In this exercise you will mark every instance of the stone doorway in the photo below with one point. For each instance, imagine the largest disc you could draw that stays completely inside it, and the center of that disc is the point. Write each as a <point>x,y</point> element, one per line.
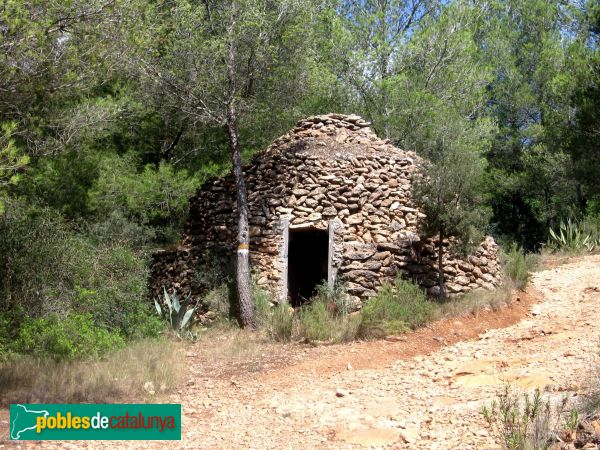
<point>308,254</point>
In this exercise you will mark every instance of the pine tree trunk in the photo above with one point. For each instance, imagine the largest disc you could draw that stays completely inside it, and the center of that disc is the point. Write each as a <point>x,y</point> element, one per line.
<point>245,305</point>
<point>442,284</point>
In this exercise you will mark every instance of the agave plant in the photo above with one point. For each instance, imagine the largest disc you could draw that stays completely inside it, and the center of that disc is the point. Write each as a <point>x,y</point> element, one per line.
<point>572,235</point>
<point>178,314</point>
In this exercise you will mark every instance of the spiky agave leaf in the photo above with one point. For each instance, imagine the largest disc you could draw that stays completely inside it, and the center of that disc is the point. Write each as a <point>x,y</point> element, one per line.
<point>554,239</point>
<point>176,304</point>
<point>563,236</point>
<point>186,318</point>
<point>168,301</point>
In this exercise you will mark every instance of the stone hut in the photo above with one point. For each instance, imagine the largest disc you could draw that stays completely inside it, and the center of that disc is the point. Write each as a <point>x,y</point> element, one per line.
<point>329,201</point>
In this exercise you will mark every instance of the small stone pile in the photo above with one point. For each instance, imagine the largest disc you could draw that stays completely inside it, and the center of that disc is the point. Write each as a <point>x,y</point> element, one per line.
<point>331,170</point>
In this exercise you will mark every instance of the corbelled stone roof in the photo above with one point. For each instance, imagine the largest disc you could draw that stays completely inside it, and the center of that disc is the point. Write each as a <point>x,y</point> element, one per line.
<point>335,136</point>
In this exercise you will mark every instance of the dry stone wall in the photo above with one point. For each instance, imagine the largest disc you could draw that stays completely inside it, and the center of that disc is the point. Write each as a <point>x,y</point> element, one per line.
<point>330,170</point>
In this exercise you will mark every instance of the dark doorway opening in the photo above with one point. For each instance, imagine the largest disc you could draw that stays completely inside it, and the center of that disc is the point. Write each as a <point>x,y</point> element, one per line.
<point>307,263</point>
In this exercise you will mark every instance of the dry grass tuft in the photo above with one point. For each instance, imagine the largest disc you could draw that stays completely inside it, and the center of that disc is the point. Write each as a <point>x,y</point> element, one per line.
<point>475,301</point>
<point>225,350</point>
<point>227,342</point>
<point>141,370</point>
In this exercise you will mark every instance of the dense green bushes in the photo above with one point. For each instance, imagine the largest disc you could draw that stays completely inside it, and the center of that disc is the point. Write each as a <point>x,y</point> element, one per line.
<point>62,292</point>
<point>54,336</point>
<point>39,259</point>
<point>76,335</point>
<point>396,308</point>
<point>112,287</point>
<point>11,159</point>
<point>318,321</point>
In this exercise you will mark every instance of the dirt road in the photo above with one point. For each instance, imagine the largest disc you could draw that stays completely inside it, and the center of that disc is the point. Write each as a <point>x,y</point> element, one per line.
<point>379,395</point>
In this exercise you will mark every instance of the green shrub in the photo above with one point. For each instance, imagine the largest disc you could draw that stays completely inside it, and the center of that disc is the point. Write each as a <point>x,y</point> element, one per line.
<point>281,323</point>
<point>73,337</point>
<point>263,305</point>
<point>38,257</point>
<point>219,297</point>
<point>527,421</point>
<point>319,321</point>
<point>111,285</point>
<point>346,327</point>
<point>316,322</point>
<point>6,334</point>
<point>62,182</point>
<point>518,265</point>
<point>396,308</point>
<point>47,267</point>
<point>11,159</point>
<point>116,229</point>
<point>591,223</point>
<point>593,209</point>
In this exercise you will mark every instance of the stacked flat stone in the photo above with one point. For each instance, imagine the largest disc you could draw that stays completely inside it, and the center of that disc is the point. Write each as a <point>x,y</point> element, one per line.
<point>329,167</point>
